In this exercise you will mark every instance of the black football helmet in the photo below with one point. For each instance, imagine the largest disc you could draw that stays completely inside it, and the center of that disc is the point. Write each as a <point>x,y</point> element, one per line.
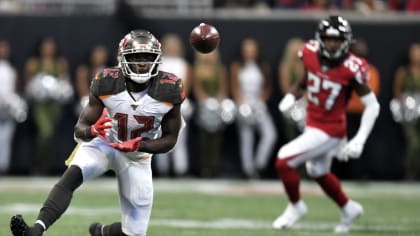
<point>139,55</point>
<point>335,27</point>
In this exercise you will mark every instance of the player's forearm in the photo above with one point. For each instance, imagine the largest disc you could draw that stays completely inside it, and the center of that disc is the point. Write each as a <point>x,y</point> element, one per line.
<point>82,132</point>
<point>161,145</point>
<point>369,116</point>
<point>298,89</point>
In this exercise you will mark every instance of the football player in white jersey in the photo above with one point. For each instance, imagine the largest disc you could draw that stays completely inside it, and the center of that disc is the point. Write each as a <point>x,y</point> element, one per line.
<point>133,112</point>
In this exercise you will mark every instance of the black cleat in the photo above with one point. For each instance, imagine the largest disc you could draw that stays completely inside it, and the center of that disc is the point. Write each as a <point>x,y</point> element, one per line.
<point>18,226</point>
<point>95,229</point>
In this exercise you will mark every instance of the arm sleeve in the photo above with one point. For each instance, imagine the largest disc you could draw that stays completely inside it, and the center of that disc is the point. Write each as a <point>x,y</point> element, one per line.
<point>369,116</point>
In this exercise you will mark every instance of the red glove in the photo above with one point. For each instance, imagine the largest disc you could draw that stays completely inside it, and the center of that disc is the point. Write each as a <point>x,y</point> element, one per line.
<point>99,128</point>
<point>131,145</point>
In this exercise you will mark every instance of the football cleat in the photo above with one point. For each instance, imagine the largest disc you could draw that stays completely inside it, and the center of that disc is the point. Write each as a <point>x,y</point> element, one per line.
<point>349,213</point>
<point>95,229</point>
<point>292,214</point>
<point>18,226</point>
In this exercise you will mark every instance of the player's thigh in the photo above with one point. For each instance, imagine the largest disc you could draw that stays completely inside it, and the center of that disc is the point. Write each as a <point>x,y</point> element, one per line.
<point>136,197</point>
<point>92,158</point>
<point>320,166</point>
<point>135,183</point>
<point>311,144</point>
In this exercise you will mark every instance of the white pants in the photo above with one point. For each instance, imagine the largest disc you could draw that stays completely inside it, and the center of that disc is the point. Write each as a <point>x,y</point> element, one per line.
<point>313,147</point>
<point>265,127</point>
<point>134,181</point>
<point>7,128</point>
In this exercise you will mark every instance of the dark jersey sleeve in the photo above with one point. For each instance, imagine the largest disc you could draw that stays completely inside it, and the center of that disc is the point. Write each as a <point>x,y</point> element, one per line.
<point>107,82</point>
<point>167,87</point>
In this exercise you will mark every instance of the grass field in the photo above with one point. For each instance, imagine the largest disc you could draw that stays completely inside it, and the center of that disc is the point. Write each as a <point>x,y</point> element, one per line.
<point>218,208</point>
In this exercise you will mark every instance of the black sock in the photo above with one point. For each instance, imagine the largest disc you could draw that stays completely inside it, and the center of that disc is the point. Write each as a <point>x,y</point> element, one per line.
<point>60,196</point>
<point>113,229</point>
<point>36,230</point>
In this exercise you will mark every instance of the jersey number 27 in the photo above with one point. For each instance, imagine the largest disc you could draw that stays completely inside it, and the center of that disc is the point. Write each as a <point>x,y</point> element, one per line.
<point>319,84</point>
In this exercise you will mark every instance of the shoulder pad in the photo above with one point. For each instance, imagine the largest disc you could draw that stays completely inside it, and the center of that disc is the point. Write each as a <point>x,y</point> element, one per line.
<point>108,81</point>
<point>358,67</point>
<point>311,47</point>
<point>167,87</point>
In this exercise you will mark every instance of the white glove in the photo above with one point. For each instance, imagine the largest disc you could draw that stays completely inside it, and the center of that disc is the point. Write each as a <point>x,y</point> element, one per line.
<point>287,102</point>
<point>353,149</point>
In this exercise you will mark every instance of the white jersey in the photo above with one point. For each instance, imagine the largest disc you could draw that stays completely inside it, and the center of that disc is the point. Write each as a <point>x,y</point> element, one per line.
<point>132,118</point>
<point>136,114</point>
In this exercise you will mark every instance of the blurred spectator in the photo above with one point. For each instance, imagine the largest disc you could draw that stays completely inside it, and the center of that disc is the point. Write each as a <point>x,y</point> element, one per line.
<point>209,88</point>
<point>242,3</point>
<point>47,88</point>
<point>318,5</point>
<point>98,59</point>
<point>290,4</point>
<point>12,107</point>
<point>290,69</point>
<point>370,6</point>
<point>251,88</point>
<point>173,61</point>
<point>412,6</point>
<point>405,5</point>
<point>405,107</point>
<point>315,4</point>
<point>344,4</point>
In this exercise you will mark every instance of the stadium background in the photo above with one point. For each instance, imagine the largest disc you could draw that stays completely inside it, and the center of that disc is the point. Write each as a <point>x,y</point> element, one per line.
<point>388,37</point>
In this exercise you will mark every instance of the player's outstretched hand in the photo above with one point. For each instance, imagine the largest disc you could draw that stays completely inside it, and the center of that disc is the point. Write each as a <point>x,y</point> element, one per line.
<point>353,149</point>
<point>99,128</point>
<point>131,145</point>
<point>287,103</point>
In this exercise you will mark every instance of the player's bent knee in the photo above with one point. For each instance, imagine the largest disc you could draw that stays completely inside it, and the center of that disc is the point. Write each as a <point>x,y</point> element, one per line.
<point>281,165</point>
<point>315,171</point>
<point>143,197</point>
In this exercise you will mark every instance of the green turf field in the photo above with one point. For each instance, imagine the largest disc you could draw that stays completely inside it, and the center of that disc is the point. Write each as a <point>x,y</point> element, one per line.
<point>219,208</point>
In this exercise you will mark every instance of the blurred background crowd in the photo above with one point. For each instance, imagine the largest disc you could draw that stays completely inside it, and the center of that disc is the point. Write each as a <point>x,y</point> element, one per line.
<point>50,50</point>
<point>364,6</point>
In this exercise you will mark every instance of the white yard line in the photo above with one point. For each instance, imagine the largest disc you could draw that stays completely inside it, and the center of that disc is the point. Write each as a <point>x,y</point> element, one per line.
<point>219,223</point>
<point>218,186</point>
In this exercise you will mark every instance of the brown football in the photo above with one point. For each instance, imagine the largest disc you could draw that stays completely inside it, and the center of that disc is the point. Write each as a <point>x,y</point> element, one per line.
<point>204,38</point>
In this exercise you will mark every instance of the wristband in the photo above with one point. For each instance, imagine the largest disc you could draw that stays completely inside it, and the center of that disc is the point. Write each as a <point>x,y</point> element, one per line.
<point>141,148</point>
<point>88,133</point>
